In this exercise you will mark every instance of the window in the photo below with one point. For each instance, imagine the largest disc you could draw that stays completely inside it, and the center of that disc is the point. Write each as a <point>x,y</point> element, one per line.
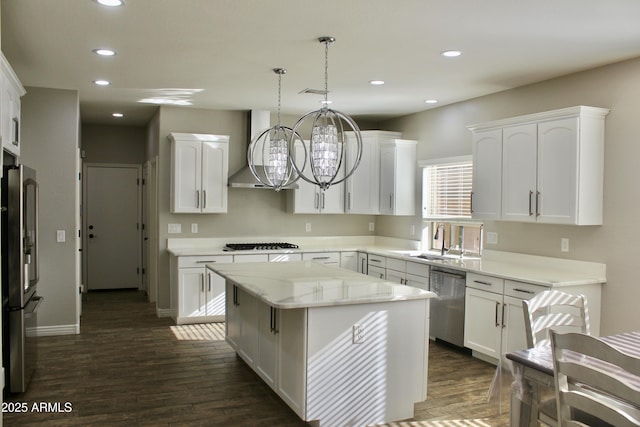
<point>446,188</point>
<point>446,207</point>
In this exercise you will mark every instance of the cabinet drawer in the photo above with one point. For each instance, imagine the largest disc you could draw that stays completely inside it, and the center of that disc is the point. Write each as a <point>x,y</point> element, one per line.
<point>522,290</point>
<point>418,269</point>
<point>285,257</point>
<point>485,283</point>
<point>251,258</point>
<point>322,257</point>
<point>397,264</point>
<point>202,260</point>
<point>377,260</point>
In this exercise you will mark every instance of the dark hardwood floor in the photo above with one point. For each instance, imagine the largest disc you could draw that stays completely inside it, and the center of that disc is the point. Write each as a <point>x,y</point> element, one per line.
<point>129,368</point>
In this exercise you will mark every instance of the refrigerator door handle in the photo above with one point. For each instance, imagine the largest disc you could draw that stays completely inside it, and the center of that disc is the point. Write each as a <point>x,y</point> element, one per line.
<point>32,307</point>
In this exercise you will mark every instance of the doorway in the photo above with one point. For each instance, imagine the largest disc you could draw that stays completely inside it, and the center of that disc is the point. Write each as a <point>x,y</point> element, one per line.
<point>112,226</point>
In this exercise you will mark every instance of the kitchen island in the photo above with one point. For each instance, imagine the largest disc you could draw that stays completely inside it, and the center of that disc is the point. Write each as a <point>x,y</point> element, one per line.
<point>339,347</point>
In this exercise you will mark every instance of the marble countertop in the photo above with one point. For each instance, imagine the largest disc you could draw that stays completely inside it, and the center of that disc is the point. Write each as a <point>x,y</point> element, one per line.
<point>540,270</point>
<point>306,284</point>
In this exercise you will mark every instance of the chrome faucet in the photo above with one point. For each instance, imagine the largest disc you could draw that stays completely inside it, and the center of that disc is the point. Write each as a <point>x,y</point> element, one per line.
<point>437,235</point>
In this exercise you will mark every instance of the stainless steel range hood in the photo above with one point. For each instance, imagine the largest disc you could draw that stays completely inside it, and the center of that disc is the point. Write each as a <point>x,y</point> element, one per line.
<point>259,121</point>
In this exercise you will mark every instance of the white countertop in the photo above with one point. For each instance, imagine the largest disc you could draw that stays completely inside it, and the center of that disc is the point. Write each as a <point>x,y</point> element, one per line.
<point>540,270</point>
<point>308,284</point>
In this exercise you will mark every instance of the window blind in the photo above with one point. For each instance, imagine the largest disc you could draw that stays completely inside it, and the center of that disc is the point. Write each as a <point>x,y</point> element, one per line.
<point>446,190</point>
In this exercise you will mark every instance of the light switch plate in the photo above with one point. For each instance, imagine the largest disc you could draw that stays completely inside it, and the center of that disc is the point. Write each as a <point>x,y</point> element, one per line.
<point>174,228</point>
<point>492,238</point>
<point>60,236</point>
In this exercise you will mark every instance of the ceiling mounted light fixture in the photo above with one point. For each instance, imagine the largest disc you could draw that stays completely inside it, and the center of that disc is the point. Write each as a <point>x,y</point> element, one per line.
<point>451,53</point>
<point>328,143</point>
<point>102,82</point>
<point>111,3</point>
<point>268,153</point>
<point>104,52</point>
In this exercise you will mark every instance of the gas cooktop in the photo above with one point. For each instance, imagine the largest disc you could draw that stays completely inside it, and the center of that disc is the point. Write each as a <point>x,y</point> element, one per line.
<point>258,246</point>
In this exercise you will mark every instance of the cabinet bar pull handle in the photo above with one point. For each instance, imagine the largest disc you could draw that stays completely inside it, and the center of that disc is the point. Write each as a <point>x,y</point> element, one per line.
<point>504,308</point>
<point>537,203</point>
<point>497,307</point>
<point>209,282</point>
<point>202,282</point>
<point>375,260</point>
<point>349,200</point>
<point>204,199</point>
<point>197,198</point>
<point>316,202</point>
<point>206,261</point>
<point>471,201</point>
<point>482,283</point>
<point>391,201</point>
<point>523,290</point>
<point>323,200</point>
<point>530,203</point>
<point>320,257</point>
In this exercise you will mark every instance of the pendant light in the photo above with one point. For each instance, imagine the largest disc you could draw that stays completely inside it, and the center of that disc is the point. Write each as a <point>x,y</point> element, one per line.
<point>328,143</point>
<point>270,151</point>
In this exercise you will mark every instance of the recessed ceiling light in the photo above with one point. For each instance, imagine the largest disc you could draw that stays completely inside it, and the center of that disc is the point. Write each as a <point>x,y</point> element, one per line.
<point>117,115</point>
<point>376,82</point>
<point>111,3</point>
<point>431,101</point>
<point>451,53</point>
<point>104,52</point>
<point>102,82</point>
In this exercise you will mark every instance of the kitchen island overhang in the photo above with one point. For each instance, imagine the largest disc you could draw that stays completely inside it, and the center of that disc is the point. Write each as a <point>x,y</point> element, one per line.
<point>339,347</point>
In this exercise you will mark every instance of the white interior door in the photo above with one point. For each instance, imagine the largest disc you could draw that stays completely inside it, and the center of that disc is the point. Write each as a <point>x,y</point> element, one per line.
<point>112,226</point>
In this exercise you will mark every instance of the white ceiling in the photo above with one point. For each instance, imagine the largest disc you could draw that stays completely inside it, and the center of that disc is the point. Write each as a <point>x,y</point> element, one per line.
<point>220,54</point>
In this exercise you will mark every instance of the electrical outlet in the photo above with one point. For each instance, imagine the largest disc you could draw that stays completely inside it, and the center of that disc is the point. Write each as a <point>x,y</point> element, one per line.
<point>492,238</point>
<point>307,227</point>
<point>358,334</point>
<point>564,244</point>
<point>412,230</point>
<point>174,228</point>
<point>372,226</point>
<point>194,228</point>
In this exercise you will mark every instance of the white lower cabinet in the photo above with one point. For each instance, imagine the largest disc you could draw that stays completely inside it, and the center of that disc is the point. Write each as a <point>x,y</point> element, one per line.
<point>326,258</point>
<point>349,260</point>
<point>362,262</point>
<point>199,292</point>
<point>396,270</point>
<point>494,319</point>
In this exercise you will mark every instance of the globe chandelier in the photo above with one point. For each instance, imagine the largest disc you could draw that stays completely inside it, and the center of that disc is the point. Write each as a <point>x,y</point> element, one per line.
<point>268,153</point>
<point>328,143</point>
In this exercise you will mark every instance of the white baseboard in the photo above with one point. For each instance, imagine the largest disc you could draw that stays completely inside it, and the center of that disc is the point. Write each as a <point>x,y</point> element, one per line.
<point>48,331</point>
<point>165,312</point>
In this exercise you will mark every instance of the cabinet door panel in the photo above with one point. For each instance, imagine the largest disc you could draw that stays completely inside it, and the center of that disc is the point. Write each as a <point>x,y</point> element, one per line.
<point>558,171</point>
<point>215,297</point>
<point>192,295</point>
<point>187,175</point>
<point>363,187</point>
<point>387,179</point>
<point>267,351</point>
<point>214,177</point>
<point>395,276</point>
<point>513,337</point>
<point>519,152</point>
<point>232,321</point>
<point>482,330</point>
<point>487,175</point>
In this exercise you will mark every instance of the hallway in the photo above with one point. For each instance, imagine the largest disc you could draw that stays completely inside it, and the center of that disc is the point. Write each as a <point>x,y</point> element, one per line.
<point>129,368</point>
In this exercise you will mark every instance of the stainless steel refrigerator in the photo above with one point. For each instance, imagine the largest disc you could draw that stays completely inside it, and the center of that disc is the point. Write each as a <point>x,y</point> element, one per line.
<point>20,301</point>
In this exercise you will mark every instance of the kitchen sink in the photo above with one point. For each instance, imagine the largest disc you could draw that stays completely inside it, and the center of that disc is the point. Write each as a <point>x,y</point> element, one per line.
<point>430,257</point>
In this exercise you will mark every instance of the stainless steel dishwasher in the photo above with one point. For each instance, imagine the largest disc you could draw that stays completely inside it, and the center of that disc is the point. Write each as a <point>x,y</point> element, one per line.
<point>447,309</point>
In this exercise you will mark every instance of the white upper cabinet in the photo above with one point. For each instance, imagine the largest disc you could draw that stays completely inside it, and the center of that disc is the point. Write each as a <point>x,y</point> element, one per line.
<point>552,167</point>
<point>486,201</point>
<point>310,199</point>
<point>199,173</point>
<point>11,90</point>
<point>398,177</point>
<point>362,188</point>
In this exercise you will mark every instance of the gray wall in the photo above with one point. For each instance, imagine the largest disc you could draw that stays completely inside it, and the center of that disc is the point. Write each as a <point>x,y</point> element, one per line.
<point>442,132</point>
<point>50,138</point>
<point>113,144</point>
